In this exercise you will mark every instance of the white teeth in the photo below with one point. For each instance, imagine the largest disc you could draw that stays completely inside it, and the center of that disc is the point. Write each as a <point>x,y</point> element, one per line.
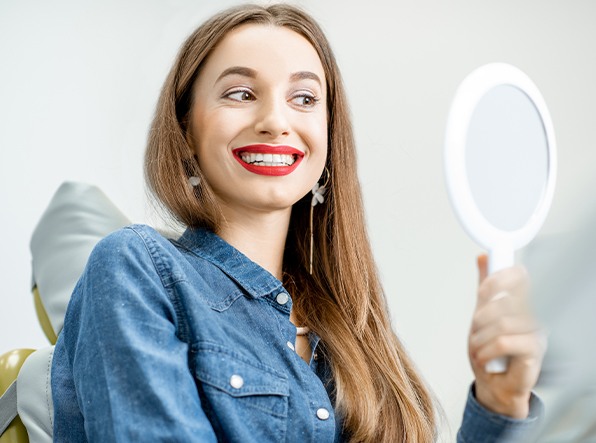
<point>260,159</point>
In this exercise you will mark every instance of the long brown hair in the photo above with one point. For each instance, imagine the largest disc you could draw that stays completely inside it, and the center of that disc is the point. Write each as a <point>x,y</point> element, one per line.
<point>378,393</point>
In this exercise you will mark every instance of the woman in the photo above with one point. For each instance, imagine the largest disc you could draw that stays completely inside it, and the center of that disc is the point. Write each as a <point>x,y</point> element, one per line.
<point>197,339</point>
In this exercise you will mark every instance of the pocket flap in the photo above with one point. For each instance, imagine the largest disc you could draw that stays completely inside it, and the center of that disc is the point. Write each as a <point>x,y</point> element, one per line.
<point>237,375</point>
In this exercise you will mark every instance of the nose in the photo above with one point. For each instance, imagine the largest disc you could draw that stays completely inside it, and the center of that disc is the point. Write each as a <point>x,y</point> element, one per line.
<point>272,119</point>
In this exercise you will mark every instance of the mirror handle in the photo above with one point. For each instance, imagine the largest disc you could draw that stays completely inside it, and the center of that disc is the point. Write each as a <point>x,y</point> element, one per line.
<point>499,259</point>
<point>497,365</point>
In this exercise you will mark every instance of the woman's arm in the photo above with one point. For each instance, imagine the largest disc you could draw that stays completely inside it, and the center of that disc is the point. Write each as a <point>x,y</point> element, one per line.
<point>501,407</point>
<point>129,368</point>
<point>503,325</point>
<point>481,425</point>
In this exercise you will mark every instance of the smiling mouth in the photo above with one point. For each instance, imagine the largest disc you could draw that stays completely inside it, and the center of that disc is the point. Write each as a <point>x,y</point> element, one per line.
<point>272,160</point>
<point>262,159</point>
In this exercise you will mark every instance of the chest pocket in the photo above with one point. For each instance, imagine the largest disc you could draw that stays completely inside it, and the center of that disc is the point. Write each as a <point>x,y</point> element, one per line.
<point>244,399</point>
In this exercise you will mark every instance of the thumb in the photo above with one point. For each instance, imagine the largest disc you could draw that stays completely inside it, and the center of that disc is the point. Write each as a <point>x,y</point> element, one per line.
<point>482,261</point>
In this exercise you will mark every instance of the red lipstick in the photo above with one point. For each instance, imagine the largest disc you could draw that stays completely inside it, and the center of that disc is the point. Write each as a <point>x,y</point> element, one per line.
<point>257,166</point>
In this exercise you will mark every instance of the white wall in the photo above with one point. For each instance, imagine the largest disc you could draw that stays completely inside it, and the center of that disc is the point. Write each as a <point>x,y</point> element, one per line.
<point>79,80</point>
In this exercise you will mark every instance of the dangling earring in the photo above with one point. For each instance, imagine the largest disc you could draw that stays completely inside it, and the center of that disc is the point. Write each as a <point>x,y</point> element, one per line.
<point>318,193</point>
<point>191,167</point>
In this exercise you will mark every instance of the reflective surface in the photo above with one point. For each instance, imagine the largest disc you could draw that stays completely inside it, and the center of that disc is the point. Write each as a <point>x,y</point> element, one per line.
<point>506,157</point>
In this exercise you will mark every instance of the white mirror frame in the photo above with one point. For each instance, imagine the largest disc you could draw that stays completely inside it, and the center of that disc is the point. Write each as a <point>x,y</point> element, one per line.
<point>501,244</point>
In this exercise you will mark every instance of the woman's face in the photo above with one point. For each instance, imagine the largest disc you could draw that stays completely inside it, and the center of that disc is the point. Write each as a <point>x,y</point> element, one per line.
<point>259,118</point>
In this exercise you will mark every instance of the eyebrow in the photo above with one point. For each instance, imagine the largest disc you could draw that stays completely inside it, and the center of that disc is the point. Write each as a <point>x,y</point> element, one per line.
<point>305,75</point>
<point>238,70</point>
<point>251,73</point>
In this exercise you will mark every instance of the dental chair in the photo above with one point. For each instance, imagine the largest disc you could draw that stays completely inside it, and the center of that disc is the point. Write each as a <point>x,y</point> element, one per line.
<point>77,217</point>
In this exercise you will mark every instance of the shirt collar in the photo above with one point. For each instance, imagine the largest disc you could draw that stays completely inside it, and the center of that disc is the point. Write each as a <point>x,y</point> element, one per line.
<point>255,280</point>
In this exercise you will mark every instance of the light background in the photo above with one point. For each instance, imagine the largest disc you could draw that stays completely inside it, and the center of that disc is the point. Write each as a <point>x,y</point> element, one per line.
<point>79,82</point>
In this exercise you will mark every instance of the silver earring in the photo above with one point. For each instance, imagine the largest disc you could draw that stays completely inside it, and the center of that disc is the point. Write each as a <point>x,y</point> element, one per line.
<point>318,196</point>
<point>194,181</point>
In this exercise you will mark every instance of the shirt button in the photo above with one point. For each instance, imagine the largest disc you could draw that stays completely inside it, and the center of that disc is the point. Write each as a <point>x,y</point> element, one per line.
<point>236,381</point>
<point>282,298</point>
<point>290,345</point>
<point>322,414</point>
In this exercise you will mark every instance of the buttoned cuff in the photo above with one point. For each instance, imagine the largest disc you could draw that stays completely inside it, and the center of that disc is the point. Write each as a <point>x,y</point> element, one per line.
<point>481,425</point>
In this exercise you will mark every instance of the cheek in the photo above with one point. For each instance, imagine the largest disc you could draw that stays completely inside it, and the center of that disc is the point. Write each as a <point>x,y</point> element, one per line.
<point>315,129</point>
<point>318,155</point>
<point>320,140</point>
<point>207,132</point>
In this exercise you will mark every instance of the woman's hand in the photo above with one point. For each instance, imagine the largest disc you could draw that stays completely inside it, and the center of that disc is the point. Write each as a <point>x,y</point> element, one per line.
<point>503,325</point>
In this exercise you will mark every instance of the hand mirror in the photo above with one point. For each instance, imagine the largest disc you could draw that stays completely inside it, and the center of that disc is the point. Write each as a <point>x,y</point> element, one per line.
<point>500,163</point>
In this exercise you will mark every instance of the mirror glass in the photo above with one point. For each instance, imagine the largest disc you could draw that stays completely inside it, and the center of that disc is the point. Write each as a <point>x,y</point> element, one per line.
<point>506,156</point>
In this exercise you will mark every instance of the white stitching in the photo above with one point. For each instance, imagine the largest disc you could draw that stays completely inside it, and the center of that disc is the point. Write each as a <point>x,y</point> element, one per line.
<point>48,372</point>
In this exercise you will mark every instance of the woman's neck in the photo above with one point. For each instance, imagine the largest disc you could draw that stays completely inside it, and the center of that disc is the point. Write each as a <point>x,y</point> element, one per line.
<point>261,236</point>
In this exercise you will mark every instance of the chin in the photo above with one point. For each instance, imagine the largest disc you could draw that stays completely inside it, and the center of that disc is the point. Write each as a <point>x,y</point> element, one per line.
<point>279,204</point>
<point>275,201</point>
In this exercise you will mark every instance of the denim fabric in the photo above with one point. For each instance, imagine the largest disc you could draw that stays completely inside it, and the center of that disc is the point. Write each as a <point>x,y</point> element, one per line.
<point>482,426</point>
<point>187,341</point>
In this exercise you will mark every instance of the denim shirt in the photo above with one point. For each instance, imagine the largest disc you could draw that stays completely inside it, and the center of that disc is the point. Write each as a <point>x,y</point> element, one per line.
<point>189,340</point>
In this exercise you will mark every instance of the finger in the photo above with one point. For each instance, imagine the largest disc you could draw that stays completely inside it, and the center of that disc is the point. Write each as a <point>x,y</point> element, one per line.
<point>516,346</point>
<point>512,280</point>
<point>502,306</point>
<point>499,296</point>
<point>505,325</point>
<point>482,262</point>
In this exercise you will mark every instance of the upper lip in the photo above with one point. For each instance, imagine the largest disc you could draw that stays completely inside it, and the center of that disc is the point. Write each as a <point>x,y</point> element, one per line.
<point>268,149</point>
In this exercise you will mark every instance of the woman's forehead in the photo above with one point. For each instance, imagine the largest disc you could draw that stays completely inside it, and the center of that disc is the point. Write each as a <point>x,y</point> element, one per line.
<point>264,49</point>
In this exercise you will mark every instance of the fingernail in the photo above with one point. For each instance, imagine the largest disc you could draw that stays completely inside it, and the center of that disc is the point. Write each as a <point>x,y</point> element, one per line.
<point>499,295</point>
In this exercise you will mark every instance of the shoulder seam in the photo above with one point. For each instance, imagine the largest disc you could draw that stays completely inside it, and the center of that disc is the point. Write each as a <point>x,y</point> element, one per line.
<point>166,274</point>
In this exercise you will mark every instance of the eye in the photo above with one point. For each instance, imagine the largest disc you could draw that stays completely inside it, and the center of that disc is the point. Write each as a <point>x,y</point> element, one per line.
<point>241,95</point>
<point>305,100</point>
